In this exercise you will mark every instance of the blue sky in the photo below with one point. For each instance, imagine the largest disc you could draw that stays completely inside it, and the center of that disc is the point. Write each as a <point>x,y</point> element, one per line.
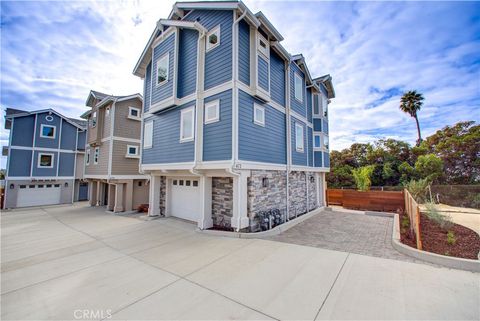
<point>53,53</point>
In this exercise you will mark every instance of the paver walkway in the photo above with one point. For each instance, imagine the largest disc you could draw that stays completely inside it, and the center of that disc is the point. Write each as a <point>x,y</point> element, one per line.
<point>347,232</point>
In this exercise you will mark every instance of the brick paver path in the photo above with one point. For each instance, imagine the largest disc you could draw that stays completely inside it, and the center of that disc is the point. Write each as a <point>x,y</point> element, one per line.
<point>347,232</point>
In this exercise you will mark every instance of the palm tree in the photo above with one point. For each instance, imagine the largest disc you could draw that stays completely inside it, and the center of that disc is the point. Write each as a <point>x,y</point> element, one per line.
<point>410,103</point>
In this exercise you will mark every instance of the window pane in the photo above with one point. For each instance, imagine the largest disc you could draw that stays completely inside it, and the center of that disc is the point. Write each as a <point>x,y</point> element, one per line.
<point>132,150</point>
<point>259,115</point>
<point>187,126</point>
<point>134,112</point>
<point>316,110</point>
<point>45,160</point>
<point>213,39</point>
<point>298,87</point>
<point>148,135</point>
<point>162,70</point>
<point>325,141</point>
<point>299,137</point>
<point>47,131</point>
<point>211,112</point>
<point>195,183</point>
<point>317,141</point>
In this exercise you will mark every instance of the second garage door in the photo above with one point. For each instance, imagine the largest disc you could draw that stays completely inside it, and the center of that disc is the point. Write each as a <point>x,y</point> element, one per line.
<point>38,195</point>
<point>185,198</point>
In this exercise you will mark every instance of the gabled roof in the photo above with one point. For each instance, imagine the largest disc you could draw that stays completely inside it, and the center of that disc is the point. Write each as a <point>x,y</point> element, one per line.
<point>300,61</point>
<point>269,27</point>
<point>109,99</point>
<point>15,113</point>
<point>326,81</point>
<point>94,95</point>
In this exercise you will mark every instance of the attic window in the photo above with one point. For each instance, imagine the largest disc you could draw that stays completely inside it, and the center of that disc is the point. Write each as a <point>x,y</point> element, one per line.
<point>263,46</point>
<point>213,38</point>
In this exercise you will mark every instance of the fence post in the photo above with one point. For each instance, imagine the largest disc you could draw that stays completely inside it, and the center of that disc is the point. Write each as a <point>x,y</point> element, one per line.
<point>419,239</point>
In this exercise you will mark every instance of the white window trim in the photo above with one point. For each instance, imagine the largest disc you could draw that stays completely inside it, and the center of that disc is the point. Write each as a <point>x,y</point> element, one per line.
<point>297,76</point>
<point>94,117</point>
<point>212,104</point>
<point>318,98</point>
<point>130,116</point>
<point>255,120</point>
<point>300,149</point>
<point>166,55</point>
<point>321,139</point>
<point>183,112</point>
<point>45,154</point>
<point>96,155</point>
<point>54,131</point>
<point>136,155</point>
<point>149,124</point>
<point>87,157</point>
<point>208,45</point>
<point>260,49</point>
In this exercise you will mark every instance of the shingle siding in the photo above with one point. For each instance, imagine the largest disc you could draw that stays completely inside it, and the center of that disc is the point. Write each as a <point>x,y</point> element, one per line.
<point>22,131</point>
<point>218,61</point>
<point>244,52</point>
<point>166,146</point>
<point>217,137</point>
<point>164,91</point>
<point>277,78</point>
<point>258,143</point>
<point>187,62</point>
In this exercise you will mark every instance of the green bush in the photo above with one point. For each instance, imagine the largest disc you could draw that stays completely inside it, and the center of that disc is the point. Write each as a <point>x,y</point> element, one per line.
<point>444,221</point>
<point>418,189</point>
<point>429,167</point>
<point>362,177</point>
<point>451,239</point>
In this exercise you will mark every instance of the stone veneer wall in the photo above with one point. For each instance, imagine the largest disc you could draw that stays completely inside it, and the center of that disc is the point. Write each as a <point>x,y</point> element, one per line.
<point>298,193</point>
<point>312,191</point>
<point>222,201</point>
<point>163,194</point>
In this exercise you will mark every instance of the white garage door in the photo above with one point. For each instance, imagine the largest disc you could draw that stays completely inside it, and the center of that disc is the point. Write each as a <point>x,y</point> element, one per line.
<point>185,198</point>
<point>38,194</point>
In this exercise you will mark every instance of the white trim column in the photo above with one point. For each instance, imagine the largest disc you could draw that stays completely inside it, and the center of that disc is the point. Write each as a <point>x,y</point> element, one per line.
<point>154,196</point>
<point>206,220</point>
<point>240,198</point>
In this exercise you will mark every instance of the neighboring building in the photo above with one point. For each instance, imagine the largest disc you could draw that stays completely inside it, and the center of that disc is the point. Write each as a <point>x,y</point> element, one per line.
<point>233,124</point>
<point>45,158</point>
<point>113,152</point>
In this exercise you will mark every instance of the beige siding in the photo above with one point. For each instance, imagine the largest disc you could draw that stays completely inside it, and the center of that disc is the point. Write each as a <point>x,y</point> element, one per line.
<point>95,134</point>
<point>102,167</point>
<point>124,126</point>
<point>107,122</point>
<point>122,165</point>
<point>140,193</point>
<point>80,166</point>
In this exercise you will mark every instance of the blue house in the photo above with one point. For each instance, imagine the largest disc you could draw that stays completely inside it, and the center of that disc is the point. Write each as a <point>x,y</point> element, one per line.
<point>233,124</point>
<point>45,159</point>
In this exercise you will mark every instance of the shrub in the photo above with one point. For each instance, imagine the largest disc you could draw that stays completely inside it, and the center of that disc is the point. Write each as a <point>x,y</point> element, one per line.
<point>451,239</point>
<point>429,167</point>
<point>444,221</point>
<point>405,222</point>
<point>418,189</point>
<point>362,177</point>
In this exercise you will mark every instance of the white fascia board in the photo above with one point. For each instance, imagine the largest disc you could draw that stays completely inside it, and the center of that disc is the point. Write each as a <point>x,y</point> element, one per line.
<point>46,111</point>
<point>137,95</point>
<point>182,24</point>
<point>269,26</point>
<point>140,67</point>
<point>281,50</point>
<point>219,5</point>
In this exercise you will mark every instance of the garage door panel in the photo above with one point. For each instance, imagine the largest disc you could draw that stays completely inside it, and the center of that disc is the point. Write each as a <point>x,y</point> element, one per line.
<point>185,198</point>
<point>38,195</point>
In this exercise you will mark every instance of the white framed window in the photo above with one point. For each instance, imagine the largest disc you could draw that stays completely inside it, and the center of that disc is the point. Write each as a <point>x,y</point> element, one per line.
<point>94,119</point>
<point>325,142</point>
<point>212,111</point>
<point>317,141</point>
<point>187,125</point>
<point>96,155</point>
<point>325,106</point>
<point>298,87</point>
<point>87,157</point>
<point>259,115</point>
<point>263,46</point>
<point>317,111</point>
<point>163,69</point>
<point>47,131</point>
<point>134,113</point>
<point>45,160</point>
<point>299,138</point>
<point>132,151</point>
<point>148,134</point>
<point>213,38</point>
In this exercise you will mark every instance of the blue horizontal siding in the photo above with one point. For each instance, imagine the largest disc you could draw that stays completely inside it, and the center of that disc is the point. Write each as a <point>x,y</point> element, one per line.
<point>318,159</point>
<point>147,90</point>
<point>244,52</point>
<point>19,162</point>
<point>187,62</point>
<point>217,137</point>
<point>309,105</point>
<point>44,171</point>
<point>69,136</point>
<point>263,73</point>
<point>299,158</point>
<point>261,144</point>
<point>166,139</point>
<point>323,90</point>
<point>22,131</point>
<point>164,91</point>
<point>277,78</point>
<point>297,106</point>
<point>317,125</point>
<point>218,61</point>
<point>310,146</point>
<point>47,142</point>
<point>326,159</point>
<point>66,164</point>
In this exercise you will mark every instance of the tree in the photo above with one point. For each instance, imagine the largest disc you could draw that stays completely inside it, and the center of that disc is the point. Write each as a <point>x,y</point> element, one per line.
<point>410,103</point>
<point>429,167</point>
<point>362,177</point>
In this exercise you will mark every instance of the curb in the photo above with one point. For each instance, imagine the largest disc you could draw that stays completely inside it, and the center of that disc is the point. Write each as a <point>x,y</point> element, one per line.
<point>446,261</point>
<point>274,231</point>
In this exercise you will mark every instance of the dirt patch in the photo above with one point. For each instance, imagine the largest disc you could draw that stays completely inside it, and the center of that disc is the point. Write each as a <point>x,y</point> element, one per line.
<point>434,239</point>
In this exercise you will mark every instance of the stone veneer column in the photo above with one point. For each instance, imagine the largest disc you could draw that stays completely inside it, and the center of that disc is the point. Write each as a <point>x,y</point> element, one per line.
<point>154,196</point>
<point>119,195</point>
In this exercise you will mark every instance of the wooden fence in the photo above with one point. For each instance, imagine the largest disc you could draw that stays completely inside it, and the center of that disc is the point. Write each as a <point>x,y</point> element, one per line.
<point>413,211</point>
<point>391,201</point>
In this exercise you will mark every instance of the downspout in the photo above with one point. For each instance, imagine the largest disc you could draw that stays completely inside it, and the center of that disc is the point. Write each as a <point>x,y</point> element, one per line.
<point>288,136</point>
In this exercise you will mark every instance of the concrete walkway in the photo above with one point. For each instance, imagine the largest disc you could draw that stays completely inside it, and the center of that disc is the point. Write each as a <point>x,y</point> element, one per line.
<point>60,263</point>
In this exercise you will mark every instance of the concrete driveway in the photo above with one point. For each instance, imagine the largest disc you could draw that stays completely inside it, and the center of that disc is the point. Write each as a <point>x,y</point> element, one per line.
<point>81,263</point>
